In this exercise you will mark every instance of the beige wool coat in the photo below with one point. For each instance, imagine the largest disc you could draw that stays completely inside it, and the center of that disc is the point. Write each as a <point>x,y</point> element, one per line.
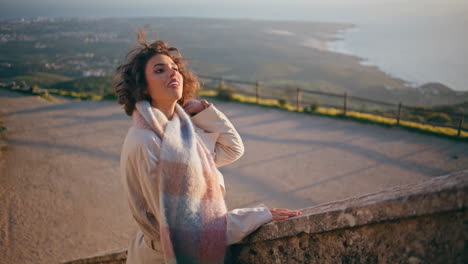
<point>138,161</point>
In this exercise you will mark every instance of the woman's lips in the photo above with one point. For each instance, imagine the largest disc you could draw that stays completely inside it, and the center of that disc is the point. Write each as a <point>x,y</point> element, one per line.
<point>174,84</point>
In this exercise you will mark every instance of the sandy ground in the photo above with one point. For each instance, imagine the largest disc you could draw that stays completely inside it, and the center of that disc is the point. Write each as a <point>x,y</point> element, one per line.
<point>60,192</point>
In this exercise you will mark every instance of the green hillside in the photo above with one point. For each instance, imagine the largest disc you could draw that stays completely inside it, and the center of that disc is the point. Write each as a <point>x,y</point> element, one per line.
<point>95,85</point>
<point>43,79</point>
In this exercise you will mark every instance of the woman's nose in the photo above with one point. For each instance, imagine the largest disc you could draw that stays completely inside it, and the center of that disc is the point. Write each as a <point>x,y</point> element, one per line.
<point>173,72</point>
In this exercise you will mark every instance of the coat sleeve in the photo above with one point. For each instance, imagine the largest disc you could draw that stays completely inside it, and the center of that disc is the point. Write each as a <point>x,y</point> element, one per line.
<point>242,222</point>
<point>229,146</point>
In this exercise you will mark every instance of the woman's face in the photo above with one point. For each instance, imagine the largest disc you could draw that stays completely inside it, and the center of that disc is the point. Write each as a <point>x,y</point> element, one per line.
<point>165,83</point>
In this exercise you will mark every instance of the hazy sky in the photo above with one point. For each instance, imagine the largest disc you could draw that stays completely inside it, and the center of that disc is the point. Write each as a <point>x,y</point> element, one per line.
<point>263,8</point>
<point>411,4</point>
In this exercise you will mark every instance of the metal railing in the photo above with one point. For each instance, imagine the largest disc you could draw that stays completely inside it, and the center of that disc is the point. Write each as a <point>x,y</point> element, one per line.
<point>302,98</point>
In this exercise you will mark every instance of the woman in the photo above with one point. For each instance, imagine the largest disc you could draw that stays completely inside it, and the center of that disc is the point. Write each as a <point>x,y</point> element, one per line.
<point>169,163</point>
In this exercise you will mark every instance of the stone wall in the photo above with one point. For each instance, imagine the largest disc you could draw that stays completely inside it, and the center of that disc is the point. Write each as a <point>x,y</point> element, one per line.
<point>436,238</point>
<point>425,222</point>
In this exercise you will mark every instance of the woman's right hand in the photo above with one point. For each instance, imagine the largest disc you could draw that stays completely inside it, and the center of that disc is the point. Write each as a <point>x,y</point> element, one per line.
<point>193,107</point>
<point>281,214</point>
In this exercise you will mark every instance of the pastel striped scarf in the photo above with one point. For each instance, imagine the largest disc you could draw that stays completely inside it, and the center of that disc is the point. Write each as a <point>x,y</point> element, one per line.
<point>192,207</point>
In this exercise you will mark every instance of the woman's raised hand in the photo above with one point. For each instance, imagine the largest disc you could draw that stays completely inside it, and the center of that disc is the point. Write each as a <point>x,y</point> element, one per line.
<point>281,214</point>
<point>193,107</point>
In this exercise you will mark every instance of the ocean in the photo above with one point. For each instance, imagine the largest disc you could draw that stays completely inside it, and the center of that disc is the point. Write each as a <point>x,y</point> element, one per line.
<point>417,51</point>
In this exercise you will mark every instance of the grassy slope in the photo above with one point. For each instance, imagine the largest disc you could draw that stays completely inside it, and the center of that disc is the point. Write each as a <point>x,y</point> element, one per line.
<point>97,85</point>
<point>42,79</point>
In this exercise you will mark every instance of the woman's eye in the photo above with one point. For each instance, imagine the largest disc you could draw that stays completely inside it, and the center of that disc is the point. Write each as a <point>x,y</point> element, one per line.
<point>159,70</point>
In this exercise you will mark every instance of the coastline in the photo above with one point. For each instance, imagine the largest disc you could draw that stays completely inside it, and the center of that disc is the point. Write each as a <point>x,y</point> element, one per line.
<point>331,39</point>
<point>339,45</point>
<point>401,58</point>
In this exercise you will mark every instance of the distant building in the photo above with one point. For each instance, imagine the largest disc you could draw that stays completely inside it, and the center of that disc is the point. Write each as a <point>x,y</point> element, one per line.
<point>95,72</point>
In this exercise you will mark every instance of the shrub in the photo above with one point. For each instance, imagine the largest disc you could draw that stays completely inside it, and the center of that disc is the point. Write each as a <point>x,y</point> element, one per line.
<point>420,111</point>
<point>311,108</point>
<point>415,118</point>
<point>282,102</point>
<point>35,89</point>
<point>225,94</point>
<point>45,95</point>
<point>440,118</point>
<point>94,97</point>
<point>109,96</point>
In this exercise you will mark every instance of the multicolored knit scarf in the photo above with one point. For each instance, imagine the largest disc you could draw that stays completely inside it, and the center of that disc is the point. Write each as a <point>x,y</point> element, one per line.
<point>192,207</point>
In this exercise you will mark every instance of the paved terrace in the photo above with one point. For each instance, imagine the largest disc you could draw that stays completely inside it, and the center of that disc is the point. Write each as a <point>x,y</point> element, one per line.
<point>60,190</point>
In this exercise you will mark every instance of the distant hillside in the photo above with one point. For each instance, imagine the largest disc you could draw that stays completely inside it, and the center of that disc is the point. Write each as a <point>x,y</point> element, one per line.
<point>279,54</point>
<point>42,79</point>
<point>436,89</point>
<point>430,95</point>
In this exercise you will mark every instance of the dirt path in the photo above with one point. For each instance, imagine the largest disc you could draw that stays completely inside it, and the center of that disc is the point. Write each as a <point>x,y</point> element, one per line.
<point>60,190</point>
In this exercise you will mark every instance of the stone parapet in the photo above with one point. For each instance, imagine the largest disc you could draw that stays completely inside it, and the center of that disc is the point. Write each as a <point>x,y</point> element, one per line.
<point>418,223</point>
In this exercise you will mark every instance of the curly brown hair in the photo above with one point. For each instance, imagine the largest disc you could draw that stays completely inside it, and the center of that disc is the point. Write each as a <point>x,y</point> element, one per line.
<point>130,83</point>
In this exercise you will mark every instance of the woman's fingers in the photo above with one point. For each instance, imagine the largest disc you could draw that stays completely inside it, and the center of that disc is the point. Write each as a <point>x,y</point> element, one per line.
<point>280,210</point>
<point>281,214</point>
<point>284,211</point>
<point>287,213</point>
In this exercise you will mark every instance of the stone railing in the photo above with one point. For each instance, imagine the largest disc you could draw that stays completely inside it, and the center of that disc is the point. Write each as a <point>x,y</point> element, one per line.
<point>418,223</point>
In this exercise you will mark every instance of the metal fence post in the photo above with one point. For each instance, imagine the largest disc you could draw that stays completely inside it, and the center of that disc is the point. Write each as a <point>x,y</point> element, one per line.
<point>345,105</point>
<point>399,115</point>
<point>221,83</point>
<point>460,124</point>
<point>298,99</point>
<point>257,92</point>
